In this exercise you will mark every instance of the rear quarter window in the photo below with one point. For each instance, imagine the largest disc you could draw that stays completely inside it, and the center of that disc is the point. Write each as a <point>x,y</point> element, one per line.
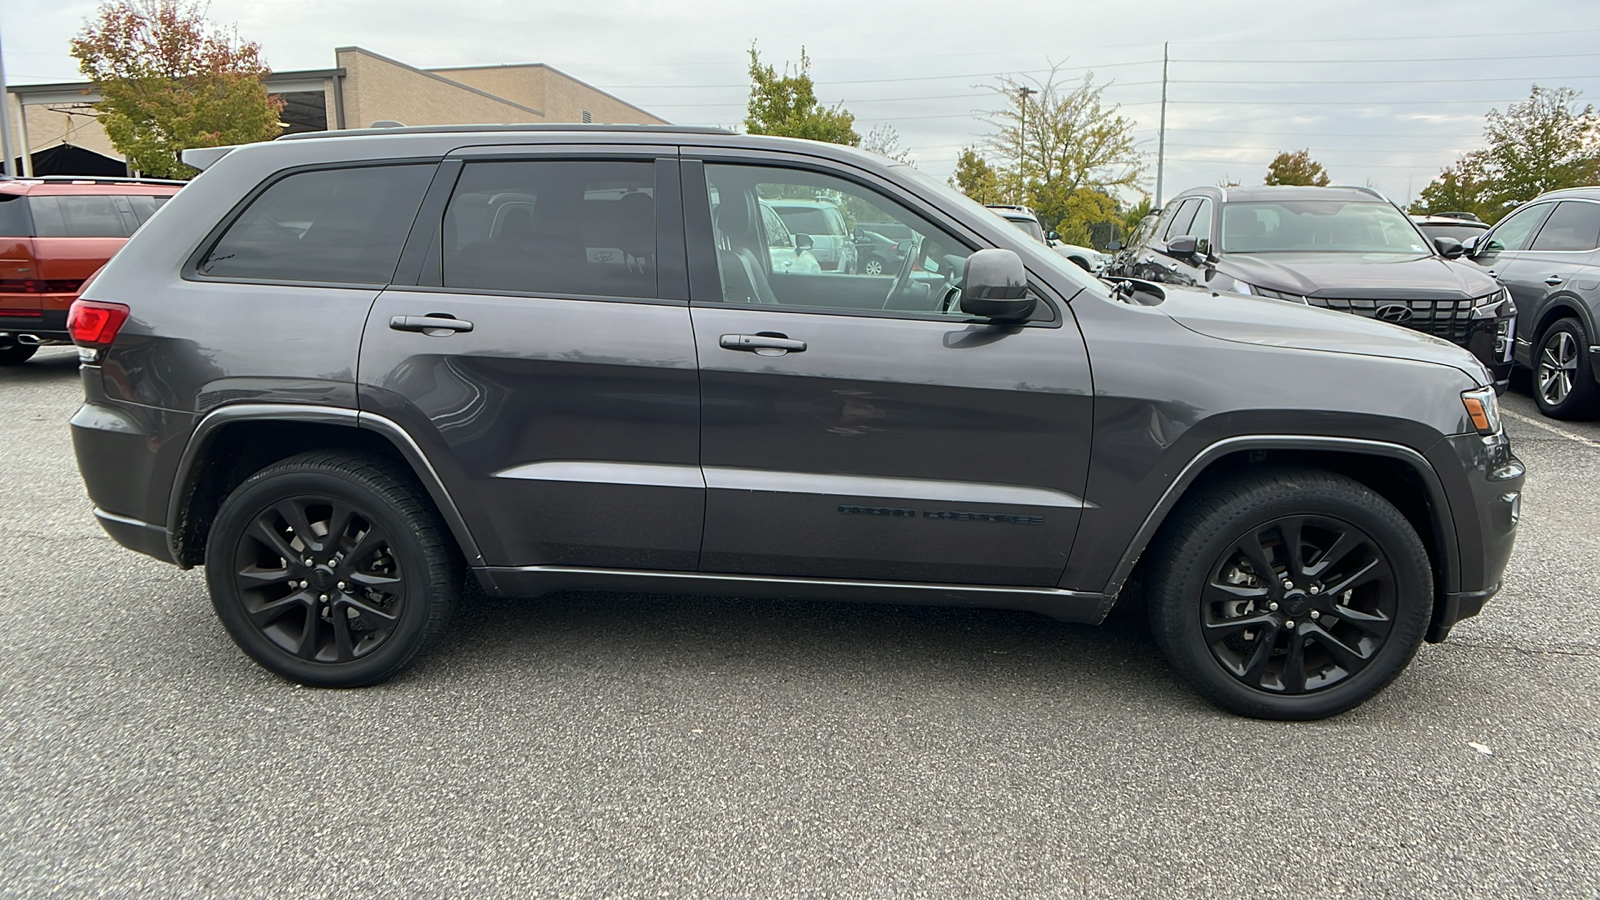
<point>333,226</point>
<point>81,215</point>
<point>14,216</point>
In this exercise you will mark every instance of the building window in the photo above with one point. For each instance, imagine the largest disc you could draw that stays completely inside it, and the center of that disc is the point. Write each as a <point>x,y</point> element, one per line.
<point>587,117</point>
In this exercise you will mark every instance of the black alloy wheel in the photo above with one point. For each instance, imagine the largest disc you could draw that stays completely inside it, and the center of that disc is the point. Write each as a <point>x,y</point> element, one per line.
<point>1563,380</point>
<point>1296,595</point>
<point>331,569</point>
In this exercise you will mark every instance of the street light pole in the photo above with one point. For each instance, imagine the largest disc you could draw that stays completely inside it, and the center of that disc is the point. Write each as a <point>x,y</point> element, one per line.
<point>1022,143</point>
<point>1161,143</point>
<point>6,164</point>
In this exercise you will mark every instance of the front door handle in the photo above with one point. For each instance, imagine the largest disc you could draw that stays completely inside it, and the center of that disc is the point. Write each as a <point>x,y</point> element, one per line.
<point>435,324</point>
<point>773,343</point>
<point>1553,280</point>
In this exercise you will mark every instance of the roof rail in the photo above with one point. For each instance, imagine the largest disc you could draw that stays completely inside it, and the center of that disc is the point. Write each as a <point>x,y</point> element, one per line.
<point>533,127</point>
<point>91,179</point>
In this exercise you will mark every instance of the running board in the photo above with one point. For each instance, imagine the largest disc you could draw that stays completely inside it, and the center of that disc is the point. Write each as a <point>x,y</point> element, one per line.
<point>532,581</point>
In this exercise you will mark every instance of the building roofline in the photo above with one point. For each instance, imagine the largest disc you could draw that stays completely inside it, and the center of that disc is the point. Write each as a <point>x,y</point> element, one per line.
<point>88,86</point>
<point>441,78</point>
<point>551,68</point>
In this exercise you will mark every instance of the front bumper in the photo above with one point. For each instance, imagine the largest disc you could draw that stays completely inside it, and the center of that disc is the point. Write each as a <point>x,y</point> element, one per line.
<point>1483,480</point>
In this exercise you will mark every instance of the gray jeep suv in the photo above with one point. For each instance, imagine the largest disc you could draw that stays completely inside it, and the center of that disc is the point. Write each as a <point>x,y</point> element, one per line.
<point>355,374</point>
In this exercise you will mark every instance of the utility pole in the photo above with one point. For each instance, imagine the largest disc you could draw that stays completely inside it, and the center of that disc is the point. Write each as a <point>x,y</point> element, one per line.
<point>1161,140</point>
<point>5,125</point>
<point>1022,143</point>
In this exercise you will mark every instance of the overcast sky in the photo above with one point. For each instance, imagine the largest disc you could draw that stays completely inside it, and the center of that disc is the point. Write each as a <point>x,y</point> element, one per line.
<point>1385,92</point>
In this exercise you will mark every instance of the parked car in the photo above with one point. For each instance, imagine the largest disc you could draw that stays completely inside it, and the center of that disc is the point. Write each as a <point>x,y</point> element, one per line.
<point>1545,253</point>
<point>1459,226</point>
<point>1085,258</point>
<point>879,253</point>
<point>54,233</point>
<point>825,223</point>
<point>388,397</point>
<point>1342,248</point>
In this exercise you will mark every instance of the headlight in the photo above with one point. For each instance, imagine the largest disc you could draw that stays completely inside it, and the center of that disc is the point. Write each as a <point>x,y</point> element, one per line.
<point>1483,409</point>
<point>1240,287</point>
<point>1493,306</point>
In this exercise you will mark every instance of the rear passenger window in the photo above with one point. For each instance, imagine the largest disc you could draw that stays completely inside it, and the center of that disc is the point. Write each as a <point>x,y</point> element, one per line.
<point>145,205</point>
<point>337,226</point>
<point>85,215</point>
<point>1573,226</point>
<point>14,216</point>
<point>553,227</point>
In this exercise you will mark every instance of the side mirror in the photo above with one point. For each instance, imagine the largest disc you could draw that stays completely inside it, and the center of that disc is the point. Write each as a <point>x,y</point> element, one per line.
<point>1449,247</point>
<point>995,286</point>
<point>1469,247</point>
<point>1053,236</point>
<point>1114,246</point>
<point>1184,246</point>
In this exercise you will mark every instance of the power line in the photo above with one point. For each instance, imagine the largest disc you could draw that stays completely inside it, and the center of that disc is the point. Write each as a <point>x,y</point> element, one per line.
<point>1011,72</point>
<point>1454,59</point>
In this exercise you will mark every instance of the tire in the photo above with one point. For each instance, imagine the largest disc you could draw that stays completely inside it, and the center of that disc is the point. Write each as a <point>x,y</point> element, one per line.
<point>16,354</point>
<point>1361,599</point>
<point>393,583</point>
<point>1563,381</point>
<point>873,266</point>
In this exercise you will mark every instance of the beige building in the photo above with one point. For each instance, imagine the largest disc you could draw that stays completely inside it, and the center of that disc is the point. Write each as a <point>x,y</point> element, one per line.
<point>58,126</point>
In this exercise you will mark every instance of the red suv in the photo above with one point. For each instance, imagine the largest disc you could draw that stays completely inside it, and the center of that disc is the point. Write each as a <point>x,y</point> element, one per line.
<point>54,234</point>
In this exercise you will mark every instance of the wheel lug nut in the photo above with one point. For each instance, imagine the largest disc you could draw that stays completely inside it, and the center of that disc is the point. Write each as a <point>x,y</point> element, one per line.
<point>1316,589</point>
<point>1288,585</point>
<point>323,598</point>
<point>332,563</point>
<point>1289,625</point>
<point>1315,614</point>
<point>341,586</point>
<point>1272,606</point>
<point>309,562</point>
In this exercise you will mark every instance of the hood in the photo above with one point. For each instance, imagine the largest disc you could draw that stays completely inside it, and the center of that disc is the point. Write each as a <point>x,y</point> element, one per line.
<point>1384,276</point>
<point>1275,323</point>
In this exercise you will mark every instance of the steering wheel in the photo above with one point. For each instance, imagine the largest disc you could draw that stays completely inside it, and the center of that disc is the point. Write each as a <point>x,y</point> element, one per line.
<point>902,279</point>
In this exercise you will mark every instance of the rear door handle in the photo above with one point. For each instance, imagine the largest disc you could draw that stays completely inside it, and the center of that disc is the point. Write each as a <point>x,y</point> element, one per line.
<point>433,324</point>
<point>769,341</point>
<point>1553,280</point>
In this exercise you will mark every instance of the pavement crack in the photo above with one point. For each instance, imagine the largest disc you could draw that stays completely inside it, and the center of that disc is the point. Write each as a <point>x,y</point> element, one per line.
<point>1584,652</point>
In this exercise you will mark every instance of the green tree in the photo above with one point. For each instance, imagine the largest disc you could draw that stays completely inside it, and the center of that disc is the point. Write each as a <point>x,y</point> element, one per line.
<point>1054,141</point>
<point>170,80</point>
<point>977,179</point>
<point>884,140</point>
<point>787,105</point>
<point>1296,168</point>
<point>1541,144</point>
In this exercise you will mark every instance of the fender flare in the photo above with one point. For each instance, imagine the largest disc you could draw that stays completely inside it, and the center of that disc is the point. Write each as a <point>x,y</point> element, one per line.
<point>200,440</point>
<point>1443,520</point>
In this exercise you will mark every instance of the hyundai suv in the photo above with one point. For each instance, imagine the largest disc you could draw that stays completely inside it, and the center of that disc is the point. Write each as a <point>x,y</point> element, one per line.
<point>54,233</point>
<point>354,375</point>
<point>1342,248</point>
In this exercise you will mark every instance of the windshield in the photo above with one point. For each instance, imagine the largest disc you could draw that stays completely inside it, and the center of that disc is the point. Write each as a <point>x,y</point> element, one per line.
<point>1028,226</point>
<point>806,220</point>
<point>1318,226</point>
<point>1459,232</point>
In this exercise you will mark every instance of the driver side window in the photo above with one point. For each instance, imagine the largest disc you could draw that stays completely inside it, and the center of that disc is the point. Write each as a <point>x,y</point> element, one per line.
<point>799,239</point>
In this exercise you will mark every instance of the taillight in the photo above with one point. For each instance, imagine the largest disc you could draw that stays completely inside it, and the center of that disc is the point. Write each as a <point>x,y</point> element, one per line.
<point>94,324</point>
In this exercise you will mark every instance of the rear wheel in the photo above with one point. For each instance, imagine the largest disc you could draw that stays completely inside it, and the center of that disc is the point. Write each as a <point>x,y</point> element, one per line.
<point>16,354</point>
<point>1563,381</point>
<point>1294,595</point>
<point>331,569</point>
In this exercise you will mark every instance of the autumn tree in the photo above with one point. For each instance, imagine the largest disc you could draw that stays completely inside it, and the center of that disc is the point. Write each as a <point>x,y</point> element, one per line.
<point>977,179</point>
<point>884,140</point>
<point>1058,148</point>
<point>1296,168</point>
<point>170,80</point>
<point>787,105</point>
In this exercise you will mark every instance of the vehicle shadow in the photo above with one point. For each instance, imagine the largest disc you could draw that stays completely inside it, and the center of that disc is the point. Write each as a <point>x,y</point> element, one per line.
<point>50,364</point>
<point>777,641</point>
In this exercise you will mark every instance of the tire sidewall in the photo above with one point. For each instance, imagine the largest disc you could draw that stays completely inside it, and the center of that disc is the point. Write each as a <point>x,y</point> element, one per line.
<point>1580,401</point>
<point>254,497</point>
<point>1176,607</point>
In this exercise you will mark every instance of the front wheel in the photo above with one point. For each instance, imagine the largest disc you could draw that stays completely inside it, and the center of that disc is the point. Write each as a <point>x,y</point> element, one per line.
<point>1563,380</point>
<point>331,569</point>
<point>1290,595</point>
<point>873,266</point>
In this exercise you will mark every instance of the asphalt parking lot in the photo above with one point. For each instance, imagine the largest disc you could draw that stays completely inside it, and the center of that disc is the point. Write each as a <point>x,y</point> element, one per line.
<point>632,746</point>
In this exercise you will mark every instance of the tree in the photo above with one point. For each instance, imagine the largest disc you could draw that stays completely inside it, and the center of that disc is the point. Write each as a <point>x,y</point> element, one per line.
<point>170,80</point>
<point>1296,168</point>
<point>976,178</point>
<point>787,105</point>
<point>1054,142</point>
<point>884,140</point>
<point>1541,144</point>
